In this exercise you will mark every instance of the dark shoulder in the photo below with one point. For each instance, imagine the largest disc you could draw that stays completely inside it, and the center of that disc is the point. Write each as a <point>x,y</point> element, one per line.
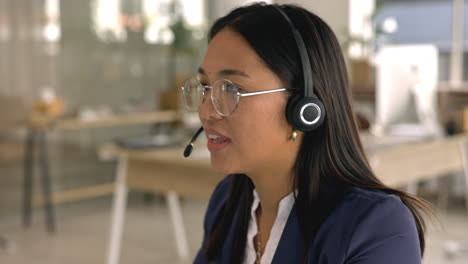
<point>383,226</point>
<point>217,201</point>
<point>368,209</point>
<point>362,202</point>
<point>222,189</point>
<point>364,195</point>
<point>368,221</point>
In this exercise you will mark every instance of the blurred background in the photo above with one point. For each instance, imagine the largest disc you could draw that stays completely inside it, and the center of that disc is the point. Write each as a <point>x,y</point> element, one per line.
<point>92,128</point>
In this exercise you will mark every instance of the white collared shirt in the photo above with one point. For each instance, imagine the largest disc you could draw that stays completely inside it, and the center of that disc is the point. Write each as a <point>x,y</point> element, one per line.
<point>284,210</point>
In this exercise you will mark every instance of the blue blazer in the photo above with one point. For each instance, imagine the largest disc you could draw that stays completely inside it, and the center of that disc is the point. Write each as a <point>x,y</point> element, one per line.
<point>367,227</point>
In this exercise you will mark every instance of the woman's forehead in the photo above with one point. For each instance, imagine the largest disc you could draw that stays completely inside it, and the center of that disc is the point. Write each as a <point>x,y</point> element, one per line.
<point>229,52</point>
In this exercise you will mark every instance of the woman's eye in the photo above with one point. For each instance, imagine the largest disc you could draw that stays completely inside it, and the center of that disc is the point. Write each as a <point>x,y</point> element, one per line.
<point>231,88</point>
<point>239,88</point>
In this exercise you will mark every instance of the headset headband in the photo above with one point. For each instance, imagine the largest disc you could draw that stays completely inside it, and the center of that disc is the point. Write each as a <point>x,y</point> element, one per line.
<point>306,70</point>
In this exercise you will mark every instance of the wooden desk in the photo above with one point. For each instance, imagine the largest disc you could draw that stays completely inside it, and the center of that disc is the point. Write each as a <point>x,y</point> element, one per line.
<point>44,122</point>
<point>408,163</point>
<point>38,127</point>
<point>163,171</point>
<point>167,171</point>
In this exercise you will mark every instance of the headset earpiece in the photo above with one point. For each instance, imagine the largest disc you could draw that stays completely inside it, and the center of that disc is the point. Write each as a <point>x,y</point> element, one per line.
<point>305,113</point>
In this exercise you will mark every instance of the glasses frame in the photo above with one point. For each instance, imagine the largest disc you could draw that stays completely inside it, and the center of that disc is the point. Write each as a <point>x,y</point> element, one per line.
<point>239,94</point>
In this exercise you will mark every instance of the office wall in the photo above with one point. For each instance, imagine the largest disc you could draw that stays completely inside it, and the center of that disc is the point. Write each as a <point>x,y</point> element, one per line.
<point>218,8</point>
<point>83,70</point>
<point>23,64</point>
<point>334,12</point>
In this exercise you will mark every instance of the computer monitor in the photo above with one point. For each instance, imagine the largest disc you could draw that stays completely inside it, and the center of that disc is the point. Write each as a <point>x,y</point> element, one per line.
<point>406,91</point>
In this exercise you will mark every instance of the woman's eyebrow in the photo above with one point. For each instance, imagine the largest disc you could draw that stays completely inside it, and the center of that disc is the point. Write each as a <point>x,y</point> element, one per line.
<point>226,72</point>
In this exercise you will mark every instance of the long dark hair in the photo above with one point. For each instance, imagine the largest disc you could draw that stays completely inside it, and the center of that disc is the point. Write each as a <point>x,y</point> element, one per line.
<point>331,158</point>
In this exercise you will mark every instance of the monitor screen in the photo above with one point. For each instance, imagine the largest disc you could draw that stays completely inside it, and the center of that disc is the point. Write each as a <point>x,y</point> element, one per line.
<point>406,92</point>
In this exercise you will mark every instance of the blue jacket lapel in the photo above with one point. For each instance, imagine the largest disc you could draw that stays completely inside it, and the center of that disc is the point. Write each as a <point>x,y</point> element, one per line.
<point>226,251</point>
<point>289,247</point>
<point>290,244</point>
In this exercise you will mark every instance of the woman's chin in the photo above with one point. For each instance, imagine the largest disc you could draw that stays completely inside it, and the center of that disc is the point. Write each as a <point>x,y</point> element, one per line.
<point>222,166</point>
<point>221,169</point>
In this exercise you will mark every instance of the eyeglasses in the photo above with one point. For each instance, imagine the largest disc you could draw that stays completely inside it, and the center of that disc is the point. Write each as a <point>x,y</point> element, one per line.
<point>224,95</point>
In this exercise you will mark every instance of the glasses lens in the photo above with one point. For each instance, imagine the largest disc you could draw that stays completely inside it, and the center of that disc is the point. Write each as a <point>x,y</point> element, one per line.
<point>225,97</point>
<point>192,92</point>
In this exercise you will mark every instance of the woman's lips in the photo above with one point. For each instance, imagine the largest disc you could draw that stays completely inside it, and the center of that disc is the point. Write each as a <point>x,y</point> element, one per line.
<point>216,140</point>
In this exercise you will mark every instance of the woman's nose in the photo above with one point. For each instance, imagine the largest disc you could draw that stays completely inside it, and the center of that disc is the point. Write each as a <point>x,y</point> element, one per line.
<point>206,111</point>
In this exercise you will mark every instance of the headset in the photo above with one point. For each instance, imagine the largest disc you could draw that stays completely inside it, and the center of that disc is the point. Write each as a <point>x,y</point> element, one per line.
<point>304,112</point>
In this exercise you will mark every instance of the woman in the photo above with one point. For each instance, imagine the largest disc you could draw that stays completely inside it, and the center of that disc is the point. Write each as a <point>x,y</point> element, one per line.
<point>295,192</point>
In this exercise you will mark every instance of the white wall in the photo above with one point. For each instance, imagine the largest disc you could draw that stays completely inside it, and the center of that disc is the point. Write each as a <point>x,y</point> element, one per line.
<point>222,7</point>
<point>219,8</point>
<point>334,12</point>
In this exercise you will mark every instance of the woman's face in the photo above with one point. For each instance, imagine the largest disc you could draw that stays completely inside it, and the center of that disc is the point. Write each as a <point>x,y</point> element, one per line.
<point>256,136</point>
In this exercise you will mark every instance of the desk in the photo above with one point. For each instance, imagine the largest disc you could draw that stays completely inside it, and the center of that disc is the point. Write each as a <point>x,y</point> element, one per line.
<point>411,162</point>
<point>163,171</point>
<point>38,127</point>
<point>167,171</point>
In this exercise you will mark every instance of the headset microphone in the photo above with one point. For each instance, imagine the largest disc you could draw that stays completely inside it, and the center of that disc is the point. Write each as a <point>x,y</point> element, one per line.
<point>189,148</point>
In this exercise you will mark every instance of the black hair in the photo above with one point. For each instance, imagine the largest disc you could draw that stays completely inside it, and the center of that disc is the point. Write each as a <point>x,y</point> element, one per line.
<point>331,158</point>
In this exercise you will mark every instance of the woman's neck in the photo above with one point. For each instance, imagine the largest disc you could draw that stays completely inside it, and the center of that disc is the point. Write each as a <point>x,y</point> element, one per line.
<point>271,189</point>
